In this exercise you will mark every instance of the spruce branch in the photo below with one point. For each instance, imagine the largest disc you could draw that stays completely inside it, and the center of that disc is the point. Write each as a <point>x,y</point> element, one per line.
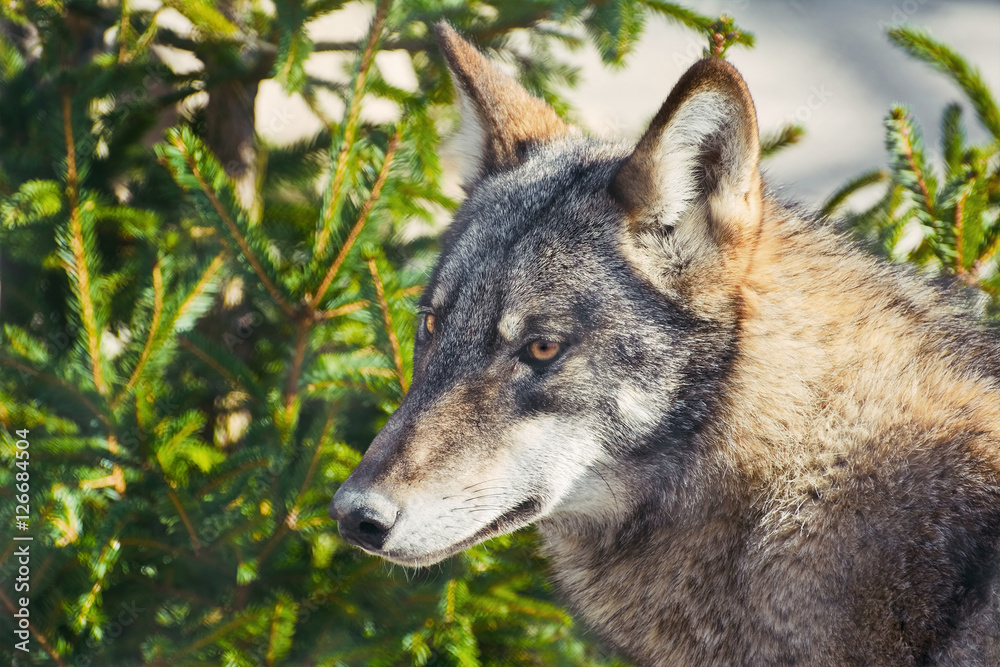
<point>449,606</point>
<point>922,46</point>
<point>413,290</point>
<point>980,263</point>
<point>302,331</point>
<point>296,48</point>
<point>679,14</point>
<point>35,632</point>
<point>361,304</point>
<point>722,34</point>
<point>346,309</point>
<point>123,31</point>
<point>278,643</point>
<point>290,518</point>
<point>358,225</point>
<point>229,474</point>
<point>153,544</point>
<point>278,535</point>
<point>228,538</point>
<point>199,289</point>
<point>785,136</point>
<point>221,631</point>
<point>480,32</point>
<point>117,477</point>
<point>899,120</point>
<point>954,218</point>
<point>207,358</point>
<point>77,268</point>
<point>205,17</point>
<point>230,368</point>
<point>186,306</point>
<point>144,40</point>
<point>953,139</point>
<point>195,544</point>
<point>314,464</point>
<point>57,382</point>
<point>350,128</point>
<point>836,200</point>
<point>192,165</point>
<point>387,320</point>
<point>154,326</point>
<point>308,94</point>
<point>104,563</point>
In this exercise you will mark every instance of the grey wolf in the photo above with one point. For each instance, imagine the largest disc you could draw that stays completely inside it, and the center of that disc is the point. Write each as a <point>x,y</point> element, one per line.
<point>743,440</point>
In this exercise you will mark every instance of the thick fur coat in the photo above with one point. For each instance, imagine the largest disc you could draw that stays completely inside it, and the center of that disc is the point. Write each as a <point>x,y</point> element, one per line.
<point>744,441</point>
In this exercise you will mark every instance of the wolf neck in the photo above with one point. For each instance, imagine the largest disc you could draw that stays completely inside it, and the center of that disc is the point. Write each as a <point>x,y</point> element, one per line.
<point>823,370</point>
<point>872,349</point>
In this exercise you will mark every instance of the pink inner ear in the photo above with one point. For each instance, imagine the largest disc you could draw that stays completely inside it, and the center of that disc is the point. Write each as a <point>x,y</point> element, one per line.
<point>509,118</point>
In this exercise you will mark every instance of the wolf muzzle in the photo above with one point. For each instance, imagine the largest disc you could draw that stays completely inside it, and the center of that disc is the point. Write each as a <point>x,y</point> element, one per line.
<point>365,512</point>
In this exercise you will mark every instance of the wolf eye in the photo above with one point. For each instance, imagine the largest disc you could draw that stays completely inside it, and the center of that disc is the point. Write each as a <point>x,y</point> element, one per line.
<point>427,326</point>
<point>543,350</point>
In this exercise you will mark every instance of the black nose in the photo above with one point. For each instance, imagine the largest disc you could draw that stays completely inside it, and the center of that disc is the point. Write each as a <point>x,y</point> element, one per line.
<point>366,528</point>
<point>365,518</point>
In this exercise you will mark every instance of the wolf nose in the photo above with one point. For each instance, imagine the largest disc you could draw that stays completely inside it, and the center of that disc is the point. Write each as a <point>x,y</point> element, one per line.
<point>365,518</point>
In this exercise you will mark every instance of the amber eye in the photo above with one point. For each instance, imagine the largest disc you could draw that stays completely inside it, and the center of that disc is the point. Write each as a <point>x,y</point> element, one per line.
<point>543,350</point>
<point>429,323</point>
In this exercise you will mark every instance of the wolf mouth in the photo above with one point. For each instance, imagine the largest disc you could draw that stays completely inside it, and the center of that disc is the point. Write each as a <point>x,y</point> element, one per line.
<point>521,515</point>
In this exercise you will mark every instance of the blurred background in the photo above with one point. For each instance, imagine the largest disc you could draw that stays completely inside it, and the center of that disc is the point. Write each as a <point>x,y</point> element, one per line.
<point>215,221</point>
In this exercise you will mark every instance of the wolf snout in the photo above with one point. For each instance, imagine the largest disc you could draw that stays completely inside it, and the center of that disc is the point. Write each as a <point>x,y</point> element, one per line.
<point>365,517</point>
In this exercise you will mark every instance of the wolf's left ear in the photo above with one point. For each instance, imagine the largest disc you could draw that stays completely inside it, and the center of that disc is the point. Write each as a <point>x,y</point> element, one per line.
<point>500,119</point>
<point>692,186</point>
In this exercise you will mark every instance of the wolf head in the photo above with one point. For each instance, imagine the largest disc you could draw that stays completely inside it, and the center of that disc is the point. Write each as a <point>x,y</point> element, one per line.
<point>582,312</point>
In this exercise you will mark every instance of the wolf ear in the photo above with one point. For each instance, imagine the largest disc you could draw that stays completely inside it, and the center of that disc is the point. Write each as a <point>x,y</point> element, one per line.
<point>500,119</point>
<point>692,186</point>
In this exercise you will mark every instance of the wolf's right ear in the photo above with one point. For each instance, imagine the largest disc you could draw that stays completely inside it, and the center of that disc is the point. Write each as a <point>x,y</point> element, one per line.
<point>500,119</point>
<point>692,188</point>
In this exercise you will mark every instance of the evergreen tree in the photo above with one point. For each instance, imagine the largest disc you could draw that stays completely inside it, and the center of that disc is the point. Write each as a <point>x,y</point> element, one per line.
<point>202,332</point>
<point>946,217</point>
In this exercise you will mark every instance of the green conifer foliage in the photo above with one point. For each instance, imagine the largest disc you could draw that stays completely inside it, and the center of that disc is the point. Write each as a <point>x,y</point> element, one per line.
<point>945,217</point>
<point>202,332</point>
